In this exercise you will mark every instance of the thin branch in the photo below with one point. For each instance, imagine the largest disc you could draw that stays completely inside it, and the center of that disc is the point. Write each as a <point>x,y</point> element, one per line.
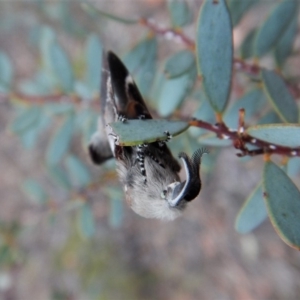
<point>240,140</point>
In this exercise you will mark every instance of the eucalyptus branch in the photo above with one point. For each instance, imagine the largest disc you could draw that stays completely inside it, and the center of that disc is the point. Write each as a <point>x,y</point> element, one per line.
<point>240,139</point>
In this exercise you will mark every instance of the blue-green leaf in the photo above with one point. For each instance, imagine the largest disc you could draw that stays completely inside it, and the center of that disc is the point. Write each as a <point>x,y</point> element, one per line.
<point>238,8</point>
<point>293,166</point>
<point>204,113</point>
<point>252,102</point>
<point>47,38</point>
<point>97,12</point>
<point>141,62</point>
<point>280,97</point>
<point>269,118</point>
<point>283,204</point>
<point>55,109</point>
<point>247,46</point>
<point>61,66</point>
<point>180,13</point>
<point>284,47</point>
<point>215,52</point>
<point>59,176</point>
<point>173,91</point>
<point>115,196</point>
<point>86,221</point>
<point>35,191</point>
<point>43,83</point>
<point>30,135</point>
<point>253,212</point>
<point>6,72</point>
<point>78,172</point>
<point>286,135</point>
<point>26,119</point>
<point>274,27</point>
<point>179,63</point>
<point>135,132</point>
<point>60,141</point>
<point>94,62</point>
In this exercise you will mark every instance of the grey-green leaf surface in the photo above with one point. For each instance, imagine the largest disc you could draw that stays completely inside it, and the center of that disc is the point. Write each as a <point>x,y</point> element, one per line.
<point>287,135</point>
<point>283,204</point>
<point>269,118</point>
<point>141,62</point>
<point>204,113</point>
<point>59,176</point>
<point>252,102</point>
<point>247,46</point>
<point>35,191</point>
<point>61,66</point>
<point>135,132</point>
<point>274,26</point>
<point>180,13</point>
<point>29,137</point>
<point>179,63</point>
<point>97,12</point>
<point>115,196</point>
<point>60,141</point>
<point>78,172</point>
<point>86,221</point>
<point>280,97</point>
<point>284,46</point>
<point>173,91</point>
<point>26,119</point>
<point>6,72</point>
<point>253,212</point>
<point>238,8</point>
<point>93,62</point>
<point>215,52</point>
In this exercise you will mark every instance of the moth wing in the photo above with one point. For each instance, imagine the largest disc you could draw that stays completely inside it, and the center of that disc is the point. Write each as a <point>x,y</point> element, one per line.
<point>128,100</point>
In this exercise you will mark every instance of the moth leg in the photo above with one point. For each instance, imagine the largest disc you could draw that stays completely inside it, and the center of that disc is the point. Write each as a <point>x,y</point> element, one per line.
<point>169,137</point>
<point>155,159</point>
<point>122,118</point>
<point>142,117</point>
<point>141,161</point>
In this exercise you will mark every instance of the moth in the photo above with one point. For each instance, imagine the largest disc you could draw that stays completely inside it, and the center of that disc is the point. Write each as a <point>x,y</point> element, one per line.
<point>149,173</point>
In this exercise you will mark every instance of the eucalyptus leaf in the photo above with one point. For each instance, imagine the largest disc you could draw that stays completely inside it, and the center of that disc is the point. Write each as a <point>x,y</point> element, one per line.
<point>286,135</point>
<point>238,8</point>
<point>253,211</point>
<point>247,47</point>
<point>94,53</point>
<point>97,12</point>
<point>6,72</point>
<point>274,26</point>
<point>30,136</point>
<point>86,221</point>
<point>141,63</point>
<point>59,176</point>
<point>135,132</point>
<point>252,102</point>
<point>26,119</point>
<point>283,204</point>
<point>215,52</point>
<point>280,97</point>
<point>78,172</point>
<point>284,46</point>
<point>61,66</point>
<point>180,13</point>
<point>174,91</point>
<point>60,141</point>
<point>35,191</point>
<point>179,63</point>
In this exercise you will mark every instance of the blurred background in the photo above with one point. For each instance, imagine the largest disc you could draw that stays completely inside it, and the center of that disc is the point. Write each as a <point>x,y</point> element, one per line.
<point>64,231</point>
